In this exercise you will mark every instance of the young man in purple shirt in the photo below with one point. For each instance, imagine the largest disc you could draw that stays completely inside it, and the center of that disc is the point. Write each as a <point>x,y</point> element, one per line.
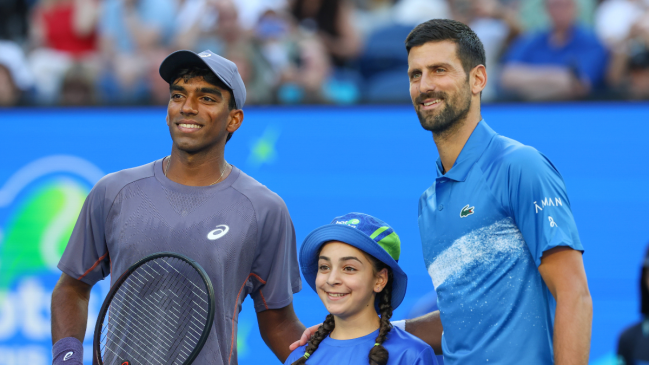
<point>195,203</point>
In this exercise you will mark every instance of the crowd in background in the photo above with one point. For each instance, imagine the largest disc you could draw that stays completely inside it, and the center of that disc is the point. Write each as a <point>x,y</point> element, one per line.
<point>107,52</point>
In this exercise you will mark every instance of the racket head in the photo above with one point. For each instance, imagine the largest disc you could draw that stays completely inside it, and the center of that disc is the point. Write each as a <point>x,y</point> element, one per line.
<point>131,284</point>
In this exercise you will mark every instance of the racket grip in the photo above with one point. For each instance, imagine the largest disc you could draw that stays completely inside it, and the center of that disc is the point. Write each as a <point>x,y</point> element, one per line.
<point>67,351</point>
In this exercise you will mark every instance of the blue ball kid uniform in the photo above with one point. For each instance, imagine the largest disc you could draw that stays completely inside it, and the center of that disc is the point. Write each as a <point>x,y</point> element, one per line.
<point>403,349</point>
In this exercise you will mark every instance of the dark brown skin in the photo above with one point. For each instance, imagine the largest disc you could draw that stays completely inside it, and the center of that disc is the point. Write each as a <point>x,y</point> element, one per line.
<point>428,328</point>
<point>279,328</point>
<point>69,308</point>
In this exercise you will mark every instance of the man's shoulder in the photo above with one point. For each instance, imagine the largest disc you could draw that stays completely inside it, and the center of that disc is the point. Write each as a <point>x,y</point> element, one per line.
<point>504,152</point>
<point>259,195</point>
<point>113,183</point>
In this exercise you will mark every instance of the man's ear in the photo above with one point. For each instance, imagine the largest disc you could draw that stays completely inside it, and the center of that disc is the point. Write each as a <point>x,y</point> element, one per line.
<point>381,280</point>
<point>235,120</point>
<point>167,119</point>
<point>478,79</point>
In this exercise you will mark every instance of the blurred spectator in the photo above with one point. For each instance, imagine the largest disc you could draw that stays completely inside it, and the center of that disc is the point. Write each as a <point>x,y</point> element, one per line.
<point>299,60</point>
<point>215,25</point>
<point>15,77</point>
<point>533,14</point>
<point>371,16</point>
<point>135,36</point>
<point>614,19</point>
<point>413,12</point>
<point>496,25</point>
<point>13,20</point>
<point>624,24</point>
<point>63,33</point>
<point>633,345</point>
<point>332,21</point>
<point>564,62</point>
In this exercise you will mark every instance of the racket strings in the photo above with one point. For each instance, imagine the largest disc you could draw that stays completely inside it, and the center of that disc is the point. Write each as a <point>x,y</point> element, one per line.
<point>157,316</point>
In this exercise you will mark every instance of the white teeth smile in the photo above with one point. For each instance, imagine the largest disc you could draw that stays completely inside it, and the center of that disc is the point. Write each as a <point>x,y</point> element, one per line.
<point>195,126</point>
<point>429,103</point>
<point>336,294</point>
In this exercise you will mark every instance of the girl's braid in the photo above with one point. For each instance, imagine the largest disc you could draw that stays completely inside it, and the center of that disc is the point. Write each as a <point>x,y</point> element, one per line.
<point>379,355</point>
<point>323,331</point>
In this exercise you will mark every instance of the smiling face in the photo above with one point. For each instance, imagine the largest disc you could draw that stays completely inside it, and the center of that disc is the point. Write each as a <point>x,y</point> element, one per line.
<point>198,115</point>
<point>346,281</point>
<point>439,87</point>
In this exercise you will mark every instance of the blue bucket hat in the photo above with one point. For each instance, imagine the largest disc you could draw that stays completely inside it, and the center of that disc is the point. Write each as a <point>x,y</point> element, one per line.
<point>368,234</point>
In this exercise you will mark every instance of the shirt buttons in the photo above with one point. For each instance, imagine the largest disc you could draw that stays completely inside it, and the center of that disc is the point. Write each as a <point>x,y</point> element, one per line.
<point>440,207</point>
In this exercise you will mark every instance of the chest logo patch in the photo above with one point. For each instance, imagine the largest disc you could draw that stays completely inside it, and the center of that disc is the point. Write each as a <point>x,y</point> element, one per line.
<point>466,211</point>
<point>220,231</point>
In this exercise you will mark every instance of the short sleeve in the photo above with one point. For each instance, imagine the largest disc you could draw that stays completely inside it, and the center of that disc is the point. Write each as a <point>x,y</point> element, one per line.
<point>86,256</point>
<point>539,203</point>
<point>276,263</point>
<point>426,357</point>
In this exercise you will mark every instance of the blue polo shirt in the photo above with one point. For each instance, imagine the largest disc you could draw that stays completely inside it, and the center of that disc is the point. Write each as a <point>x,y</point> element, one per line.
<point>484,227</point>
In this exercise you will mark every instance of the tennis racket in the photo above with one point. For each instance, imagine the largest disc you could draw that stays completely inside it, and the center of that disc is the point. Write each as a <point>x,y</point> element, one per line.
<point>159,312</point>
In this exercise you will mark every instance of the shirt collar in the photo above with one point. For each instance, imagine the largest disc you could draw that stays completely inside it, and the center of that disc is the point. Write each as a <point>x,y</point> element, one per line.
<point>471,152</point>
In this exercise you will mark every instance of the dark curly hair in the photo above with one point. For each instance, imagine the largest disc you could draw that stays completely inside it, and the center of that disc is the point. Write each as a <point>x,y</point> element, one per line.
<point>378,355</point>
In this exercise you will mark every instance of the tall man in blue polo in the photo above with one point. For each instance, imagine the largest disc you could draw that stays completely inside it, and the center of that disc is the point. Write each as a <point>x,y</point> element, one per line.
<point>498,235</point>
<point>195,203</point>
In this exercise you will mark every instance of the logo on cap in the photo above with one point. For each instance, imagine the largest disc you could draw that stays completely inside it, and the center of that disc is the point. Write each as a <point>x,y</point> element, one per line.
<point>204,54</point>
<point>351,222</point>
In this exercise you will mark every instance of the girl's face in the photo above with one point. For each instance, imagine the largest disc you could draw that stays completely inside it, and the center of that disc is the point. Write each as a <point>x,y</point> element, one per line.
<point>346,281</point>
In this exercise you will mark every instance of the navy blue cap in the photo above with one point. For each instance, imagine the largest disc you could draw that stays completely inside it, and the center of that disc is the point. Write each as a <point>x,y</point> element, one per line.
<point>368,234</point>
<point>224,69</point>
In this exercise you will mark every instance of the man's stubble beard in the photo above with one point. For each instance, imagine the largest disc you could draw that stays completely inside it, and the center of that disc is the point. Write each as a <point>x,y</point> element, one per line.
<point>449,118</point>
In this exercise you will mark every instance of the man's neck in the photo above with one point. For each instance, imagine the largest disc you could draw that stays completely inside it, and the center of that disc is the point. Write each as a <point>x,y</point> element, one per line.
<point>198,169</point>
<point>451,142</point>
<point>359,325</point>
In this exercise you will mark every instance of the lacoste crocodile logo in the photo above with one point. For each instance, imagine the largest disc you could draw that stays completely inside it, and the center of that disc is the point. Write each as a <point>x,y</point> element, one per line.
<point>466,211</point>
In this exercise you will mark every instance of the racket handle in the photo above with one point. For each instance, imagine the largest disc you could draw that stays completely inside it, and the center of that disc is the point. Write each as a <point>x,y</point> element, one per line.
<point>67,351</point>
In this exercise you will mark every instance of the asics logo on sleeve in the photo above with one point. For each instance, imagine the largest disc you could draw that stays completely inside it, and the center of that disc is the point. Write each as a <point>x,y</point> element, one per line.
<point>68,356</point>
<point>219,232</point>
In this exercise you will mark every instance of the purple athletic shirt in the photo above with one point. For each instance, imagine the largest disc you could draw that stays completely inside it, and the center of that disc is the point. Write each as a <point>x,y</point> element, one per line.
<point>238,230</point>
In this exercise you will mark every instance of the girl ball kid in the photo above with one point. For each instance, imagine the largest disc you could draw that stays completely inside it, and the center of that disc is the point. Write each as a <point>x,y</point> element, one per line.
<point>352,264</point>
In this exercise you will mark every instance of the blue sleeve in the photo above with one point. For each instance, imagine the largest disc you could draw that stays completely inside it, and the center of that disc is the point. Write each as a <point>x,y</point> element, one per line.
<point>539,203</point>
<point>426,357</point>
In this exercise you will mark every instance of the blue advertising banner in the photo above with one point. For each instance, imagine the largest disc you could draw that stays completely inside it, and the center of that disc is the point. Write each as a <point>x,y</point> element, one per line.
<point>323,162</point>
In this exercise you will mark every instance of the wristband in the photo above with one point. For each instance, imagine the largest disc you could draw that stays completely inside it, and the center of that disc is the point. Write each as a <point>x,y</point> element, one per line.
<point>399,324</point>
<point>67,351</point>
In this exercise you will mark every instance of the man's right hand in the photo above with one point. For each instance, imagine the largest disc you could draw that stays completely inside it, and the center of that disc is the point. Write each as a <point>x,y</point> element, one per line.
<point>306,335</point>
